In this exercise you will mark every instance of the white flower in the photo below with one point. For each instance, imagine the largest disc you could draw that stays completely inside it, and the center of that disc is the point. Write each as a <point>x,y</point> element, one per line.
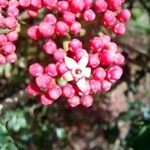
<point>78,71</point>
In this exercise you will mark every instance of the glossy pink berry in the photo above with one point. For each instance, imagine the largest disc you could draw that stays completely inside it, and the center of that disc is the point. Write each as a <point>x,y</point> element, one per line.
<point>95,85</point>
<point>46,29</point>
<point>75,45</point>
<point>50,47</point>
<point>54,92</point>
<point>51,70</point>
<point>75,28</point>
<point>61,28</point>
<point>94,60</point>
<point>87,100</point>
<point>100,5</point>
<point>89,15</point>
<point>62,6</point>
<point>106,85</point>
<point>119,29</point>
<point>99,74</point>
<point>50,19</point>
<point>36,70</point>
<point>69,17</point>
<point>74,101</point>
<point>114,73</point>
<point>68,90</point>
<point>59,55</point>
<point>124,15</point>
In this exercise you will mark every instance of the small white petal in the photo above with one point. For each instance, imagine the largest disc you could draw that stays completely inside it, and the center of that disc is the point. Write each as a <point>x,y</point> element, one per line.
<point>87,72</point>
<point>83,85</point>
<point>84,60</point>
<point>70,63</point>
<point>68,76</point>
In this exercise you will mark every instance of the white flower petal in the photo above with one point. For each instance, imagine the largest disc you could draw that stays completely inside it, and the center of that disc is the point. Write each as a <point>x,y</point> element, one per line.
<point>84,60</point>
<point>68,76</point>
<point>87,72</point>
<point>70,63</point>
<point>82,85</point>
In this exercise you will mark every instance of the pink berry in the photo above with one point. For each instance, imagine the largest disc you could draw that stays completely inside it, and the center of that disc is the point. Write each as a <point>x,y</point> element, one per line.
<point>43,81</point>
<point>100,5</point>
<point>68,17</point>
<point>68,90</point>
<point>114,4</point>
<point>9,48</point>
<point>95,85</point>
<point>59,55</point>
<point>37,4</point>
<point>109,19</point>
<point>87,100</point>
<point>89,15</point>
<point>114,73</point>
<point>94,60</point>
<point>119,59</point>
<point>13,11</point>
<point>11,58</point>
<point>51,70</point>
<point>75,45</point>
<point>106,85</point>
<point>74,101</point>
<point>46,100</point>
<point>50,19</point>
<point>61,28</point>
<point>50,4</point>
<point>36,70</point>
<point>12,36</point>
<point>75,28</point>
<point>46,29</point>
<point>50,47</point>
<point>77,5</point>
<point>62,6</point>
<point>11,22</point>
<point>124,15</point>
<point>99,74</point>
<point>24,3</point>
<point>119,29</point>
<point>54,92</point>
<point>33,32</point>
<point>62,68</point>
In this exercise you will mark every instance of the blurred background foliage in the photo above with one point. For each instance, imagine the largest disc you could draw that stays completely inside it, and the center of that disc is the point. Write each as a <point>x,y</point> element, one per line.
<point>118,120</point>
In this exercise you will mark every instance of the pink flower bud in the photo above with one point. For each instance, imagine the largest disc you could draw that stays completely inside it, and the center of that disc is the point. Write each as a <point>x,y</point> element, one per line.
<point>33,32</point>
<point>68,17</point>
<point>62,6</point>
<point>106,85</point>
<point>12,36</point>
<point>95,85</point>
<point>9,48</point>
<point>119,29</point>
<point>24,3</point>
<point>37,4</point>
<point>68,90</point>
<point>59,55</point>
<point>114,73</point>
<point>54,92</point>
<point>51,70</point>
<point>94,60</point>
<point>99,74</point>
<point>50,19</point>
<point>124,15</point>
<point>36,70</point>
<point>50,47</point>
<point>50,4</point>
<point>89,15</point>
<point>3,39</point>
<point>61,28</point>
<point>87,100</point>
<point>46,29</point>
<point>88,4</point>
<point>74,101</point>
<point>11,58</point>
<point>100,5</point>
<point>119,59</point>
<point>114,4</point>
<point>77,5</point>
<point>32,13</point>
<point>75,28</point>
<point>2,59</point>
<point>75,45</point>
<point>13,11</point>
<point>11,22</point>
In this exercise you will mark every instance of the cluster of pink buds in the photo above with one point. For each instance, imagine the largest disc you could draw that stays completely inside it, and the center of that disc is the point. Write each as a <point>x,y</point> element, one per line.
<point>77,74</point>
<point>8,30</point>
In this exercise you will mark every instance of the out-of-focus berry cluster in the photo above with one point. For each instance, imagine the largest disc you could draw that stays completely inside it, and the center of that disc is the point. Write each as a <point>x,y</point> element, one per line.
<point>8,26</point>
<point>77,74</point>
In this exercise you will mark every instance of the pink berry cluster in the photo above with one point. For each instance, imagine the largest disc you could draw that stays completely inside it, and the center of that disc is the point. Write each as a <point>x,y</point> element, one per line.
<point>8,25</point>
<point>77,74</point>
<point>109,12</point>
